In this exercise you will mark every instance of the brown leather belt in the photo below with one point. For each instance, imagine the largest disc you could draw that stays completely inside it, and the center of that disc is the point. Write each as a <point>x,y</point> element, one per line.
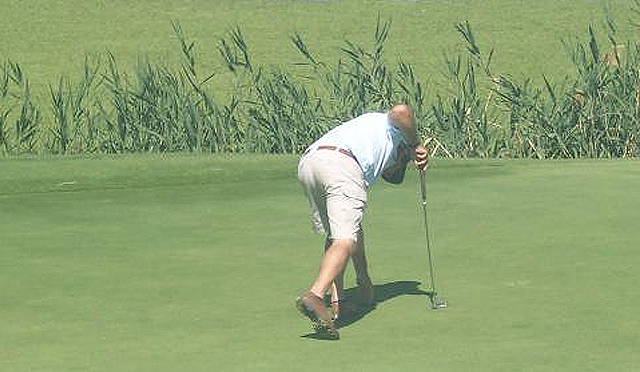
<point>335,148</point>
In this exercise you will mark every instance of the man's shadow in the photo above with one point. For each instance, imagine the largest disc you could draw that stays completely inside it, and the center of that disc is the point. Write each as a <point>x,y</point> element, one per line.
<point>381,293</point>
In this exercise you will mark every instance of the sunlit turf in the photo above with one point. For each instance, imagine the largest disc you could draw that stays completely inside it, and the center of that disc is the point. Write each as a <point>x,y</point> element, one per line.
<point>165,263</point>
<point>50,39</point>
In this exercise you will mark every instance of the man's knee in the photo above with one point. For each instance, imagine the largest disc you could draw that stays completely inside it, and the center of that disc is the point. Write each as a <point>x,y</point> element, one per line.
<point>345,245</point>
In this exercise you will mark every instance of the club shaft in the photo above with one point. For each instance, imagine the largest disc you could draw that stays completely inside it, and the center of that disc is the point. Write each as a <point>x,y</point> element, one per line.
<point>423,186</point>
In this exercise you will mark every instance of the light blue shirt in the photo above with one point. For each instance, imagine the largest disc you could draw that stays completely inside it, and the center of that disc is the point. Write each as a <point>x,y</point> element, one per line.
<point>371,138</point>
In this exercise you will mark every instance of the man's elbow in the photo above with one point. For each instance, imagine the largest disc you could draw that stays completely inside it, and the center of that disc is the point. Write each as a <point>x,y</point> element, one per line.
<point>395,178</point>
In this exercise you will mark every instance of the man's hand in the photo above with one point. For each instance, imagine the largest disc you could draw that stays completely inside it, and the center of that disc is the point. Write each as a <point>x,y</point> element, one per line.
<point>421,156</point>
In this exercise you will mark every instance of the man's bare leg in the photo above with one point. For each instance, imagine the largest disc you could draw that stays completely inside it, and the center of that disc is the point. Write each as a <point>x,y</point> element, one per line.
<point>336,294</point>
<point>332,266</point>
<point>336,287</point>
<point>310,303</point>
<point>365,287</point>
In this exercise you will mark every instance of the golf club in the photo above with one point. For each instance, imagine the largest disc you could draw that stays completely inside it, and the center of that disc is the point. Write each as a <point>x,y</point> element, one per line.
<point>436,303</point>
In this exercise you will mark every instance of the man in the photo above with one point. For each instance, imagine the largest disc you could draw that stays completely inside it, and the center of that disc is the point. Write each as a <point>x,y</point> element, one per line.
<point>336,172</point>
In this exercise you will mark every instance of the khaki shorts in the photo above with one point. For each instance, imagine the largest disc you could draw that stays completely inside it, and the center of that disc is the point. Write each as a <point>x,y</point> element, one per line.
<point>337,193</point>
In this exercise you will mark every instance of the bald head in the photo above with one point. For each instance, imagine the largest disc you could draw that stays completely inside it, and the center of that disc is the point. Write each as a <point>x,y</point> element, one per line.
<point>401,117</point>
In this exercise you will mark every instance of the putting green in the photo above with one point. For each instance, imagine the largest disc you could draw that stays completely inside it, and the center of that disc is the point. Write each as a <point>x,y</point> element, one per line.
<point>165,263</point>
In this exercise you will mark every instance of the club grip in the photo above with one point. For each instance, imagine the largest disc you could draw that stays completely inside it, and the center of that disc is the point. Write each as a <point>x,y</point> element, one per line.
<point>423,185</point>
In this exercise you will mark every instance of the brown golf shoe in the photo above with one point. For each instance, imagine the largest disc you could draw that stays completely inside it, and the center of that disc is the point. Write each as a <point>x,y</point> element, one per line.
<point>313,308</point>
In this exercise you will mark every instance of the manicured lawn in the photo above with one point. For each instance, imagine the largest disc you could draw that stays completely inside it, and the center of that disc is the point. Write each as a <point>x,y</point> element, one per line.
<point>167,263</point>
<point>50,38</point>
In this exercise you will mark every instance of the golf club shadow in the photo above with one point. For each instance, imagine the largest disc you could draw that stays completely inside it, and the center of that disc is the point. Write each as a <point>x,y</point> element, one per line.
<point>318,336</point>
<point>382,293</point>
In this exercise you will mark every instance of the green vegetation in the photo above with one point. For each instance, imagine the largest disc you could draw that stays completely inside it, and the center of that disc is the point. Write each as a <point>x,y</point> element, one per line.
<point>112,261</point>
<point>165,263</point>
<point>51,39</point>
<point>478,110</point>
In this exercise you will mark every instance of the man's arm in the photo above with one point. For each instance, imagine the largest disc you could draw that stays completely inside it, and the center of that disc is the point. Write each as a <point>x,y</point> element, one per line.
<point>395,173</point>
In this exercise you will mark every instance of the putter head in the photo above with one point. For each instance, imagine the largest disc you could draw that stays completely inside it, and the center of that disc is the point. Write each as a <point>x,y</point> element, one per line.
<point>436,303</point>
<point>439,304</point>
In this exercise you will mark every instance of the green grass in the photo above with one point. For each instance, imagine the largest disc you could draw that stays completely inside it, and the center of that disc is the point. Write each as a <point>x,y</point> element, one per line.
<point>165,263</point>
<point>50,39</point>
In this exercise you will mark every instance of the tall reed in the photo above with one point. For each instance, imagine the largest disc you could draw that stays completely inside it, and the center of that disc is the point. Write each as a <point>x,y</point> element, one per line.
<point>595,114</point>
<point>17,105</point>
<point>76,127</point>
<point>156,107</point>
